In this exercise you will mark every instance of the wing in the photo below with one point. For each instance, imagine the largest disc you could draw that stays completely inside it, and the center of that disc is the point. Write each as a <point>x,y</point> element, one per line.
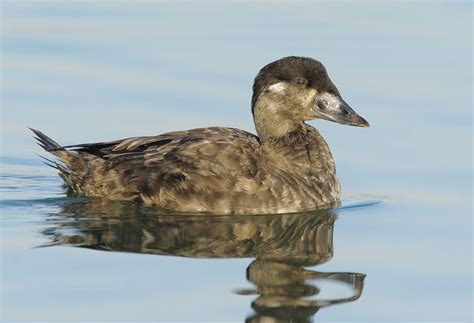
<point>202,151</point>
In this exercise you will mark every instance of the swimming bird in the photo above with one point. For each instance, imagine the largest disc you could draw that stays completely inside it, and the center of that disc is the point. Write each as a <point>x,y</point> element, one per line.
<point>287,167</point>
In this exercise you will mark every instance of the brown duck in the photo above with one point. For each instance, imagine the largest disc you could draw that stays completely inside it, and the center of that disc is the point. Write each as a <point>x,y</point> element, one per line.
<point>288,167</point>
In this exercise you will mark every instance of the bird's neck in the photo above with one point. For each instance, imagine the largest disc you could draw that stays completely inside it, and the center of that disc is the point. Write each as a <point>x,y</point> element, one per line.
<point>272,120</point>
<point>302,147</point>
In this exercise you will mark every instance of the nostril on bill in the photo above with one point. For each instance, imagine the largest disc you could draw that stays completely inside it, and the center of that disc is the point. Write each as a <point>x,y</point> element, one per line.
<point>344,110</point>
<point>321,105</point>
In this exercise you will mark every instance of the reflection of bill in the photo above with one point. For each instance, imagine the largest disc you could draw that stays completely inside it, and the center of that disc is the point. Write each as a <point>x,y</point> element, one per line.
<point>285,291</point>
<point>282,246</point>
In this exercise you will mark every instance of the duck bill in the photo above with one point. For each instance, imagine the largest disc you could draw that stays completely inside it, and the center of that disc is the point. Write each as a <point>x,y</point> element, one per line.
<point>333,108</point>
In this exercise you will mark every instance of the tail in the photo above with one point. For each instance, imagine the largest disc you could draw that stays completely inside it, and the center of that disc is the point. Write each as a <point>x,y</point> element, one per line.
<point>69,164</point>
<point>65,157</point>
<point>47,143</point>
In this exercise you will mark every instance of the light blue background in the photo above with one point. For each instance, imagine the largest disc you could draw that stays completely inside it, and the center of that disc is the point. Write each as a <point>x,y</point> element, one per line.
<point>85,71</point>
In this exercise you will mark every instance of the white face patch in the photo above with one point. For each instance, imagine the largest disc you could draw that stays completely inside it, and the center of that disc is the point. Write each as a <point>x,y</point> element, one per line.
<point>278,87</point>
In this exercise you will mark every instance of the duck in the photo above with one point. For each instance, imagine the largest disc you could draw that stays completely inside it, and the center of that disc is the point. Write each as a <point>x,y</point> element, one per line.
<point>286,167</point>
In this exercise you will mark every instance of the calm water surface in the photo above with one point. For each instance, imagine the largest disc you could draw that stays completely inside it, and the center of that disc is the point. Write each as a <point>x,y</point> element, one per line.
<point>399,248</point>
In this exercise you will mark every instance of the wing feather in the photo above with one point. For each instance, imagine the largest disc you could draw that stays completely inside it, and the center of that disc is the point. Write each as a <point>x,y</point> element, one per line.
<point>202,152</point>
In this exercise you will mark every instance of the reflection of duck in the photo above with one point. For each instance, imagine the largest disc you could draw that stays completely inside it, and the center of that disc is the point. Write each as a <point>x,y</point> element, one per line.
<point>287,168</point>
<point>282,246</point>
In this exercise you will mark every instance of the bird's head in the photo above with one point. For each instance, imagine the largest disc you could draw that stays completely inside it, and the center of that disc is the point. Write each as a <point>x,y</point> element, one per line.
<point>291,90</point>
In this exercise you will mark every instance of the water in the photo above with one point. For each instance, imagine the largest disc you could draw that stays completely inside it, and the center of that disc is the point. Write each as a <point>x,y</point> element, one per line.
<point>399,248</point>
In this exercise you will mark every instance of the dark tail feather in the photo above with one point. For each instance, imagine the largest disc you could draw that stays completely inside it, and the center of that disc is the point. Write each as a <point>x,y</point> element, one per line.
<point>65,157</point>
<point>45,142</point>
<point>48,161</point>
<point>68,162</point>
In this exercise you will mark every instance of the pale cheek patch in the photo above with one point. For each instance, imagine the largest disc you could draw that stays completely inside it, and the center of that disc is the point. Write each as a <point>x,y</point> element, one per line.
<point>278,87</point>
<point>331,101</point>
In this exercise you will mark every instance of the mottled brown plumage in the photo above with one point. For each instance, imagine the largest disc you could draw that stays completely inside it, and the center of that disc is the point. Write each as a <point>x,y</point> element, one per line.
<point>287,168</point>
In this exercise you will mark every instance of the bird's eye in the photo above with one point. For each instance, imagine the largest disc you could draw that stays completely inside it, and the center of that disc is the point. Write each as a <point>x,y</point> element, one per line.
<point>301,81</point>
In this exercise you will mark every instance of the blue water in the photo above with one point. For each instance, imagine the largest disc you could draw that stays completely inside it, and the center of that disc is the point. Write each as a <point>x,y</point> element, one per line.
<point>398,249</point>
